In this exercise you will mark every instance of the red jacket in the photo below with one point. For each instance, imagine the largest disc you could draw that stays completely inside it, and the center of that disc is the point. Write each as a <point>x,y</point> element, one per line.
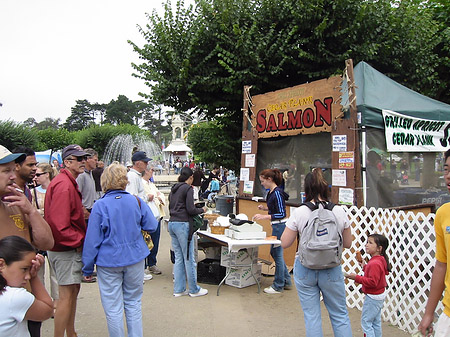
<point>63,211</point>
<point>374,279</point>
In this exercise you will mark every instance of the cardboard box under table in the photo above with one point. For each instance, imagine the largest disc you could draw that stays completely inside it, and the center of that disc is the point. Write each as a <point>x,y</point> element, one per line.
<point>240,256</point>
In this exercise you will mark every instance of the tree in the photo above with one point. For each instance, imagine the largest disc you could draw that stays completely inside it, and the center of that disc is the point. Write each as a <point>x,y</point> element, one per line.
<point>122,110</point>
<point>13,134</point>
<point>29,122</point>
<point>211,144</point>
<point>55,139</point>
<point>80,117</point>
<point>200,58</point>
<point>48,123</point>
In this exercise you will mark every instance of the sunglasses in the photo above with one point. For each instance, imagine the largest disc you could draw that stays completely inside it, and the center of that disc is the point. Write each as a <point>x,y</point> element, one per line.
<point>78,158</point>
<point>39,174</point>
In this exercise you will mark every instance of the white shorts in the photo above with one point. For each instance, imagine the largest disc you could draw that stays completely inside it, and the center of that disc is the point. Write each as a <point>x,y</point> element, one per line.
<point>442,328</point>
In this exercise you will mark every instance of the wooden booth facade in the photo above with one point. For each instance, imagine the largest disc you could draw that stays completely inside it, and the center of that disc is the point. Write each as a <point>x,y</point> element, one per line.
<point>295,130</point>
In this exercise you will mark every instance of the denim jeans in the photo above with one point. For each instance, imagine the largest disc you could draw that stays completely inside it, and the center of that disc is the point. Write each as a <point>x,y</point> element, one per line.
<point>183,267</point>
<point>121,288</point>
<point>282,277</point>
<point>371,317</point>
<point>151,258</point>
<point>330,282</point>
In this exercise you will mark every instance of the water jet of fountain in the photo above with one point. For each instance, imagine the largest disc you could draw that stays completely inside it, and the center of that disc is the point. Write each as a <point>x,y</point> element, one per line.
<point>120,148</point>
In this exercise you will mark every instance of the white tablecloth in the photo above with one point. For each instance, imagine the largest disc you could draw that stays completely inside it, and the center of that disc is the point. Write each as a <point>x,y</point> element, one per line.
<point>235,245</point>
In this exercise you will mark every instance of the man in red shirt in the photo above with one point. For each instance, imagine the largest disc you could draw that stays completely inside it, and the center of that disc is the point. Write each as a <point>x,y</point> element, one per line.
<point>64,212</point>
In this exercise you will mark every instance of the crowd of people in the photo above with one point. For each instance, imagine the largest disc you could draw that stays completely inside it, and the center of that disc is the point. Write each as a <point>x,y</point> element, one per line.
<point>89,221</point>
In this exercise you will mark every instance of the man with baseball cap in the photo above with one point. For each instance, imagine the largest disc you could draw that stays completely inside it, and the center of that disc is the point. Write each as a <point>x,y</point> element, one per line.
<point>64,212</point>
<point>136,184</point>
<point>17,214</point>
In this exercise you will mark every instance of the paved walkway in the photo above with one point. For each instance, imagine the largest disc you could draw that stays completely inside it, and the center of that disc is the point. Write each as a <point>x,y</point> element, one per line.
<point>236,312</point>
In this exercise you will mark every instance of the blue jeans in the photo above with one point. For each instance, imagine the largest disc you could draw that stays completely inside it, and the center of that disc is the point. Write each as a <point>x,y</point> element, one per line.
<point>282,277</point>
<point>183,267</point>
<point>151,258</point>
<point>371,317</point>
<point>330,282</point>
<point>121,288</point>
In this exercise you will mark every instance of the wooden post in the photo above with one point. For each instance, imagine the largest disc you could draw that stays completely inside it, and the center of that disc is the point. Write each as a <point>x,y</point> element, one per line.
<point>249,133</point>
<point>349,127</point>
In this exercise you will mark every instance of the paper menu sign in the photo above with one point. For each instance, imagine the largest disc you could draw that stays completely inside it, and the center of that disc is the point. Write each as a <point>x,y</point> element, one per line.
<point>339,178</point>
<point>245,174</point>
<point>248,187</point>
<point>339,143</point>
<point>250,160</point>
<point>246,146</point>
<point>346,160</point>
<point>345,196</point>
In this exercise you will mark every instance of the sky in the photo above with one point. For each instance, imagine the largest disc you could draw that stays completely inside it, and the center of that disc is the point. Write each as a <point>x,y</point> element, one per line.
<point>54,52</point>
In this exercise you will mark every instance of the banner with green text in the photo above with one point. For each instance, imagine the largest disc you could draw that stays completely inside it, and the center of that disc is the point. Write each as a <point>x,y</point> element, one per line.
<point>410,134</point>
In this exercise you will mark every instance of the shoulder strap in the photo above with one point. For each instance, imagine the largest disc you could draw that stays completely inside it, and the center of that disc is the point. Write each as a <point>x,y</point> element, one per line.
<point>310,205</point>
<point>329,206</point>
<point>138,200</point>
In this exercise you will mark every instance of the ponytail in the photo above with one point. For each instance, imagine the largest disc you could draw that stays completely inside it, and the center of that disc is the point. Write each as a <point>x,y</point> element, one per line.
<point>383,242</point>
<point>316,187</point>
<point>274,174</point>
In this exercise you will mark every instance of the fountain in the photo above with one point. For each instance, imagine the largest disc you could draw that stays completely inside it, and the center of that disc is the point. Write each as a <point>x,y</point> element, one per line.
<point>121,147</point>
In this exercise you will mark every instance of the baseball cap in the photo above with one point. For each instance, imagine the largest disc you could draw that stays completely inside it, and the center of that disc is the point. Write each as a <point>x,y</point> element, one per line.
<point>6,156</point>
<point>73,150</point>
<point>140,155</point>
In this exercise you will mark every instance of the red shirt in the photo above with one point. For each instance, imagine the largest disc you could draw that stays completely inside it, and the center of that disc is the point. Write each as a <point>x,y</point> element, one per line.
<point>64,212</point>
<point>374,279</point>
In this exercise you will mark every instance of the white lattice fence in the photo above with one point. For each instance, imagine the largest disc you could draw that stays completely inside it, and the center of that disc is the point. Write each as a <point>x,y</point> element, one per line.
<point>411,254</point>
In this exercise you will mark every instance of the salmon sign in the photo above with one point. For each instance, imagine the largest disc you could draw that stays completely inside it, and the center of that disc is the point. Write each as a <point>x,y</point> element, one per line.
<point>307,108</point>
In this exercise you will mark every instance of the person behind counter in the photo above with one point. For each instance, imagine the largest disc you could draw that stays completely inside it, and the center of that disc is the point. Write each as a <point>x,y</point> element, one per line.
<point>276,205</point>
<point>311,282</point>
<point>181,207</point>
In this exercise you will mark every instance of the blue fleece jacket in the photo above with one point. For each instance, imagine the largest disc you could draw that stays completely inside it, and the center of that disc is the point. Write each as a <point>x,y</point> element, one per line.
<point>276,203</point>
<point>114,238</point>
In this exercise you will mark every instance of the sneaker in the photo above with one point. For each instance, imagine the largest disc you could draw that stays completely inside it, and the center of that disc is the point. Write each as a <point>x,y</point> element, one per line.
<point>202,292</point>
<point>147,275</point>
<point>154,270</point>
<point>270,290</point>
<point>287,286</point>
<point>184,293</point>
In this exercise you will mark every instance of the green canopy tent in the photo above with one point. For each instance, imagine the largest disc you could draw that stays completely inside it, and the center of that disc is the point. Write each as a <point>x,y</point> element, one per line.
<point>376,92</point>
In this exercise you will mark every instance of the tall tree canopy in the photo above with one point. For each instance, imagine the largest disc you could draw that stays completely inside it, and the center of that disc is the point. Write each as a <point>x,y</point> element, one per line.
<point>201,57</point>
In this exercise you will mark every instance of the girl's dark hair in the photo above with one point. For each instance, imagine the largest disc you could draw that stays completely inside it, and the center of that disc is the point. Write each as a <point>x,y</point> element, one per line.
<point>316,186</point>
<point>274,174</point>
<point>185,173</point>
<point>13,248</point>
<point>383,242</point>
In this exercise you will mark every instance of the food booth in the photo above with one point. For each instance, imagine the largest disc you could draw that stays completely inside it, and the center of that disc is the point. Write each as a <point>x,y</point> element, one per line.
<point>379,143</point>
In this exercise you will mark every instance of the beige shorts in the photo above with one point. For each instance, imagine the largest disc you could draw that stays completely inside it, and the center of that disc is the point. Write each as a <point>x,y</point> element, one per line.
<point>67,266</point>
<point>442,328</point>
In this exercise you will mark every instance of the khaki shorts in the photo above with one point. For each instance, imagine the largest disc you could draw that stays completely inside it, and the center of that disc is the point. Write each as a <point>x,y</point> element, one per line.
<point>67,266</point>
<point>442,327</point>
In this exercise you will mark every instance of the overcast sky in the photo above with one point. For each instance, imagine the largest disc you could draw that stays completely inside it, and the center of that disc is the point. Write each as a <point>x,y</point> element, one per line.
<point>54,52</point>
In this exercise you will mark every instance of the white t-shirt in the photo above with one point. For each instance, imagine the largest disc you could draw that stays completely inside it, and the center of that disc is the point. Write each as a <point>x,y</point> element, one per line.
<point>14,304</point>
<point>300,216</point>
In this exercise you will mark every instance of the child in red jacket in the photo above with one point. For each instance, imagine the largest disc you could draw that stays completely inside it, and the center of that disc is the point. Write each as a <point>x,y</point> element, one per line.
<point>373,284</point>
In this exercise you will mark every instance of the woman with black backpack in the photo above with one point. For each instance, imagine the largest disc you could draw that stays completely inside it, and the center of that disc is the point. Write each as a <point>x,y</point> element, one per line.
<point>329,280</point>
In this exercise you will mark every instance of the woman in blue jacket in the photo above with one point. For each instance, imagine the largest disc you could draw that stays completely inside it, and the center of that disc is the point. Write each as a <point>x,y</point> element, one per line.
<point>114,243</point>
<point>276,207</point>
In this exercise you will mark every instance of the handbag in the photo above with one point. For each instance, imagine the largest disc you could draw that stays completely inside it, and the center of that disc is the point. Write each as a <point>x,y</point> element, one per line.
<point>147,239</point>
<point>146,235</point>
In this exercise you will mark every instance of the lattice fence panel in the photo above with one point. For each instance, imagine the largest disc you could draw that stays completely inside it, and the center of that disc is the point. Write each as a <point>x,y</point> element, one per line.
<point>411,254</point>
